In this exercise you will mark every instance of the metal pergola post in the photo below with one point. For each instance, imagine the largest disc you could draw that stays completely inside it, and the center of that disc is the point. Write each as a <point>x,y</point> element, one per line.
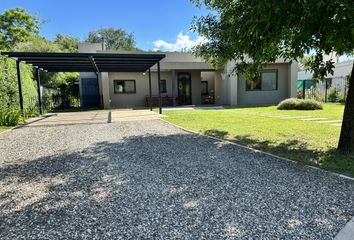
<point>150,92</point>
<point>303,89</point>
<point>39,90</point>
<point>159,80</point>
<point>19,81</point>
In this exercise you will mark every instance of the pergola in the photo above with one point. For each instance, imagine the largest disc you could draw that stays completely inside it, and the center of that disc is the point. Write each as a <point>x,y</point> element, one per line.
<point>86,62</point>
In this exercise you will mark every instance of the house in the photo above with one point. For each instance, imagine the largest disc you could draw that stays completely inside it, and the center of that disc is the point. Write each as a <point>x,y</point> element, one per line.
<point>339,78</point>
<point>186,80</point>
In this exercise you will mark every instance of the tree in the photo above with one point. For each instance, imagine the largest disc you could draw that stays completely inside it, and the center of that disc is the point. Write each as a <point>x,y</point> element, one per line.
<point>16,25</point>
<point>114,39</point>
<point>67,43</point>
<point>255,32</point>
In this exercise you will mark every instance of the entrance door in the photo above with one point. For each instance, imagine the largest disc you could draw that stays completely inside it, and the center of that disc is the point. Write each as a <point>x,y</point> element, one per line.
<point>184,89</point>
<point>89,93</point>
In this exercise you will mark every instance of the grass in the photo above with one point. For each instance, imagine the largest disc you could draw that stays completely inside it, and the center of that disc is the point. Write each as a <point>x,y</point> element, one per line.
<point>2,128</point>
<point>307,142</point>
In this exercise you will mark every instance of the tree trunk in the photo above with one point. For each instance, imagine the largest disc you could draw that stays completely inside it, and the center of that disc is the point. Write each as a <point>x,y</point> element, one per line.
<point>346,140</point>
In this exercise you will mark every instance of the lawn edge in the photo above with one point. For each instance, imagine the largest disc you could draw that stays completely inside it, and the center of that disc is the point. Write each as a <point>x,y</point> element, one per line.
<point>29,121</point>
<point>260,151</point>
<point>344,234</point>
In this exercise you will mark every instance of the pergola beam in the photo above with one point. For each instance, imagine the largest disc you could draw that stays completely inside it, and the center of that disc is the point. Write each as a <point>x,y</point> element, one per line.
<point>94,64</point>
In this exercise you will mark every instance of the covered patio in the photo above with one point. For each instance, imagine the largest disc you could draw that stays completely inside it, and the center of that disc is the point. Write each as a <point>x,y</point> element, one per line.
<point>86,62</point>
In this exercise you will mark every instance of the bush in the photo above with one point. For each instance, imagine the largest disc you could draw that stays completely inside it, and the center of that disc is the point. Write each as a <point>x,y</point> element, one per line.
<point>314,93</point>
<point>9,117</point>
<point>333,95</point>
<point>299,104</point>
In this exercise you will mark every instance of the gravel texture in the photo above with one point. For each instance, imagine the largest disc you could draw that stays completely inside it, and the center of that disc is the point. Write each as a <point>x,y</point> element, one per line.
<point>151,180</point>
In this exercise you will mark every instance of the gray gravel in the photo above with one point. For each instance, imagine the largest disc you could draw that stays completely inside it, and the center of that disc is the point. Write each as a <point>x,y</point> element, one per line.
<point>150,180</point>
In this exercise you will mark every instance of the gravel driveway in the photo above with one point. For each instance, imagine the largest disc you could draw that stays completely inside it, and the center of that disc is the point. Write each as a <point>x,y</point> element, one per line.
<point>150,180</point>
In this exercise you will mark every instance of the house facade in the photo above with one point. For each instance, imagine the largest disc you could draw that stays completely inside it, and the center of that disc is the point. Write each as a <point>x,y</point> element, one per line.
<point>186,80</point>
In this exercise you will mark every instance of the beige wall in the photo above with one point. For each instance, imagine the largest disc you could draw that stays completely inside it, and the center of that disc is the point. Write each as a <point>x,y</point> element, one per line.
<point>127,100</point>
<point>265,97</point>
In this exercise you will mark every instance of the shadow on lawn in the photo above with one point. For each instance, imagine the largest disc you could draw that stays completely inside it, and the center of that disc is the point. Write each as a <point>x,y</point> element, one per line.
<point>295,150</point>
<point>163,184</point>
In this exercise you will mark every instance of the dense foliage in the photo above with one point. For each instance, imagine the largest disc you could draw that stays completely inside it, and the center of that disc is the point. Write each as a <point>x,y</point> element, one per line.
<point>299,104</point>
<point>114,39</point>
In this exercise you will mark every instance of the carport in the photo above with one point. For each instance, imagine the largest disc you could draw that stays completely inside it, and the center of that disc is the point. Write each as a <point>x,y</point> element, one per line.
<point>86,62</point>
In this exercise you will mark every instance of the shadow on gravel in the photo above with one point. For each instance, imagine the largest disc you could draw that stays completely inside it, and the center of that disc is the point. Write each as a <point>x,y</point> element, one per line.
<point>296,150</point>
<point>175,186</point>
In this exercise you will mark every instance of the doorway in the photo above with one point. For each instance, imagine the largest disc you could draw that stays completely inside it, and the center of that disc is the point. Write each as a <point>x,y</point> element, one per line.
<point>184,89</point>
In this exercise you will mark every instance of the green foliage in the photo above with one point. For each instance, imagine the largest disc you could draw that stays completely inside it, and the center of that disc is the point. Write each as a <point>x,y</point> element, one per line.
<point>37,43</point>
<point>9,117</point>
<point>115,39</point>
<point>333,94</point>
<point>67,43</point>
<point>255,32</point>
<point>16,26</point>
<point>9,88</point>
<point>314,94</point>
<point>299,104</point>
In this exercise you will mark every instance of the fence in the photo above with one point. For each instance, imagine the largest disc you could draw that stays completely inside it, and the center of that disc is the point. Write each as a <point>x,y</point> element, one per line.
<point>329,90</point>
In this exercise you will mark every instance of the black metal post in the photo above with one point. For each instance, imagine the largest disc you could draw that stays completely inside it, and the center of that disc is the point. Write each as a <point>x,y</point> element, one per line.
<point>19,80</point>
<point>39,91</point>
<point>303,89</point>
<point>150,92</point>
<point>326,90</point>
<point>159,80</point>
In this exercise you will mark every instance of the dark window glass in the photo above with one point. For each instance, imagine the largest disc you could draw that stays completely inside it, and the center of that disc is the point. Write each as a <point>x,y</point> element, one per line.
<point>124,86</point>
<point>204,87</point>
<point>163,87</point>
<point>267,81</point>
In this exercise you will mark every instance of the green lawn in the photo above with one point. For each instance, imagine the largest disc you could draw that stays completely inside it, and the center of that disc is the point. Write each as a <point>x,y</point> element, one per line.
<point>3,128</point>
<point>308,142</point>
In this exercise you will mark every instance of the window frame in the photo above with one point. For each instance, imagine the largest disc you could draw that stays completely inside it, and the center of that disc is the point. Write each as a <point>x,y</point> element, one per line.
<point>163,80</point>
<point>116,81</point>
<point>260,79</point>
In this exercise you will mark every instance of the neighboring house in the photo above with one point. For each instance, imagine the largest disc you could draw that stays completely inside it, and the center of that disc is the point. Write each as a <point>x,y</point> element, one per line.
<point>338,79</point>
<point>187,80</point>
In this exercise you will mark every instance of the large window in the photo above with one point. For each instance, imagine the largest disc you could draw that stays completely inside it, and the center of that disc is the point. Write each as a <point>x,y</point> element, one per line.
<point>268,81</point>
<point>124,86</point>
<point>163,87</point>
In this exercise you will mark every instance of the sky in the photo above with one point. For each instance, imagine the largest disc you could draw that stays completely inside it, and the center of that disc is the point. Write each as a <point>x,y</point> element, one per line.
<point>156,24</point>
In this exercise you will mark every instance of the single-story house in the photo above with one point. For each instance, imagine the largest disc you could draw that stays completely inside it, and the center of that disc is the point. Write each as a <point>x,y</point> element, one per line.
<point>186,80</point>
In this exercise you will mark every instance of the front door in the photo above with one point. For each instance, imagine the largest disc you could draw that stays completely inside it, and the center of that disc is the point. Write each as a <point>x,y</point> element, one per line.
<point>184,89</point>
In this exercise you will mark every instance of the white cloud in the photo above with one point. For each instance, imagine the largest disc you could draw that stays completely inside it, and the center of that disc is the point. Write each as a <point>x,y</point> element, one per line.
<point>183,42</point>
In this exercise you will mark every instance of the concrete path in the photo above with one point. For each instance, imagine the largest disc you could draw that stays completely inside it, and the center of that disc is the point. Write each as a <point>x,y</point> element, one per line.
<point>97,117</point>
<point>146,179</point>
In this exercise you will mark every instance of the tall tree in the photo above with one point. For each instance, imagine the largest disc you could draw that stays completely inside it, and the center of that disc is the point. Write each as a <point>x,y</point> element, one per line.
<point>114,39</point>
<point>255,32</point>
<point>67,43</point>
<point>16,25</point>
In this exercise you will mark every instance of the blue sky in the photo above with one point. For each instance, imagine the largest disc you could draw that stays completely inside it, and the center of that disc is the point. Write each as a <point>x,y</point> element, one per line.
<point>156,24</point>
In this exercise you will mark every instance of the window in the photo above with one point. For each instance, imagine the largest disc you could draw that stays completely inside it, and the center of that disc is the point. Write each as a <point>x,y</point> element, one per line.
<point>124,86</point>
<point>268,81</point>
<point>163,87</point>
<point>204,87</point>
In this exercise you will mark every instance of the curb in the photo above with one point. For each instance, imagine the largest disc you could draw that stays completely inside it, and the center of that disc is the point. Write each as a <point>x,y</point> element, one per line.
<point>347,232</point>
<point>260,151</point>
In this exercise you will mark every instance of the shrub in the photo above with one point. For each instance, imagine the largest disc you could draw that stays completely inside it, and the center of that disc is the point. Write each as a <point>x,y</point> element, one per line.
<point>333,95</point>
<point>9,117</point>
<point>299,104</point>
<point>314,93</point>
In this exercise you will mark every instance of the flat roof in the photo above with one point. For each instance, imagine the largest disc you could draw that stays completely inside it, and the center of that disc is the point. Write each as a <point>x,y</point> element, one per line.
<point>88,62</point>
